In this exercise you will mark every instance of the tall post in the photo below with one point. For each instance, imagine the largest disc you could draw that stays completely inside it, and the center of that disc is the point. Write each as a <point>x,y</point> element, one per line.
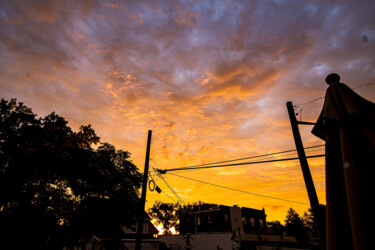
<point>306,172</point>
<point>138,243</point>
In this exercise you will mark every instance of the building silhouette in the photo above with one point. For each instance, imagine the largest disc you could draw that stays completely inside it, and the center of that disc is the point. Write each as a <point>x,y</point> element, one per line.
<point>223,219</point>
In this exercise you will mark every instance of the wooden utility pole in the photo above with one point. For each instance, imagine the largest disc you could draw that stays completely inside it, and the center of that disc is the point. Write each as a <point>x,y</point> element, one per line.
<point>314,202</point>
<point>141,211</point>
<point>302,158</point>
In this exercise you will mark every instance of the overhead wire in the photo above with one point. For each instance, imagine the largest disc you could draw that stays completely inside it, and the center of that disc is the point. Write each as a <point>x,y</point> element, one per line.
<point>163,171</point>
<point>290,153</point>
<point>173,191</point>
<point>246,158</point>
<point>242,191</point>
<point>170,187</point>
<point>242,163</point>
<point>150,175</point>
<point>272,157</point>
<point>168,196</point>
<point>299,112</point>
<point>364,85</point>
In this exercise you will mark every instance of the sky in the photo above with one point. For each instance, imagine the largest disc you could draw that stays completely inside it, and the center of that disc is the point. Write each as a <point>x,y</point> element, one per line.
<point>210,79</point>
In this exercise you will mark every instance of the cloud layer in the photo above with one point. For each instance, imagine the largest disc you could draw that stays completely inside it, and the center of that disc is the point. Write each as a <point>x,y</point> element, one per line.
<point>210,78</point>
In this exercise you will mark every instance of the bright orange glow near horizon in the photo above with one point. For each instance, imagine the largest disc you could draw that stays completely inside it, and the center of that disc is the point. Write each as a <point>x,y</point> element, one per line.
<point>210,79</point>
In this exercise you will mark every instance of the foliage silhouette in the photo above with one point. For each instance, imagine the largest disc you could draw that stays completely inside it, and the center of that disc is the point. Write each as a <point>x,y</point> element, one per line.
<point>197,206</point>
<point>168,214</point>
<point>275,227</point>
<point>49,176</point>
<point>294,225</point>
<point>165,214</point>
<point>293,222</point>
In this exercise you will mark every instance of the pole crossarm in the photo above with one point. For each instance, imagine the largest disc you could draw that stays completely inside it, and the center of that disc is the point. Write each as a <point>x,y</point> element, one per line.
<point>305,123</point>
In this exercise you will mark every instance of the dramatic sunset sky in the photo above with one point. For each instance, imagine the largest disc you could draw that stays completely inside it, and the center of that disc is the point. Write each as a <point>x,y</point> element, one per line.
<point>209,78</point>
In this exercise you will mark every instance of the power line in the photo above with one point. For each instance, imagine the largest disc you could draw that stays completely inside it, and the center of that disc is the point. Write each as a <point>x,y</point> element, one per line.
<point>216,185</point>
<point>292,153</point>
<point>317,99</point>
<point>314,100</point>
<point>168,196</point>
<point>160,189</point>
<point>170,187</point>
<point>251,157</point>
<point>364,85</point>
<point>163,171</point>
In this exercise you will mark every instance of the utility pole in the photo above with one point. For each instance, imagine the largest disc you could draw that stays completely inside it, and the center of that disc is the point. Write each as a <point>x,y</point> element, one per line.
<point>141,211</point>
<point>314,202</point>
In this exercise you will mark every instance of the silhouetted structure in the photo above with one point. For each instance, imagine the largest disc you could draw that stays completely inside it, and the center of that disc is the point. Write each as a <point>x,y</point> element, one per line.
<point>223,219</point>
<point>347,125</point>
<point>224,227</point>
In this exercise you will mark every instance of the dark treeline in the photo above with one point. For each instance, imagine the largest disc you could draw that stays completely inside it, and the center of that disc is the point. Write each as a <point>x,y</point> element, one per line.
<point>55,189</point>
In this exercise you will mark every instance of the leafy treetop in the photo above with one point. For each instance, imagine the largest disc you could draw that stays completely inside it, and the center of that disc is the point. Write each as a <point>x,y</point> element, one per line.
<point>48,173</point>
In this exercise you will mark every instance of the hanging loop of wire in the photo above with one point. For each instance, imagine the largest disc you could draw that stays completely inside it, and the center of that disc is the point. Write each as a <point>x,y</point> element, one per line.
<point>153,185</point>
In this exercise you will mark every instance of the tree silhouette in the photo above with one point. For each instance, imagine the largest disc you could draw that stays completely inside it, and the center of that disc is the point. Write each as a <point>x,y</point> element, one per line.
<point>168,214</point>
<point>48,173</point>
<point>197,206</point>
<point>275,227</point>
<point>295,226</point>
<point>165,214</point>
<point>308,219</point>
<point>293,222</point>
